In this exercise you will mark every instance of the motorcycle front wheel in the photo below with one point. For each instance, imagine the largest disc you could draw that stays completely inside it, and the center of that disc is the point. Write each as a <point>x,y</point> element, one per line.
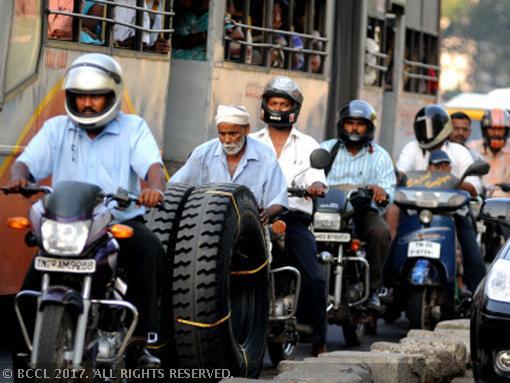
<point>280,351</point>
<point>56,339</point>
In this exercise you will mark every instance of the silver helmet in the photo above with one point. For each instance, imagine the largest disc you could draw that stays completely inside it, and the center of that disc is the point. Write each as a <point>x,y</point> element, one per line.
<point>281,86</point>
<point>93,73</point>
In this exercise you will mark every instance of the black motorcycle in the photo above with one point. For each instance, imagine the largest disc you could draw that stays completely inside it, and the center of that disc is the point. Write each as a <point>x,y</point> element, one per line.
<point>82,321</point>
<point>343,259</point>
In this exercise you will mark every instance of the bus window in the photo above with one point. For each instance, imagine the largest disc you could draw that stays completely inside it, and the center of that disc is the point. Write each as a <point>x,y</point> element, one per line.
<point>189,41</point>
<point>376,58</point>
<point>24,42</point>
<point>141,25</point>
<point>421,68</point>
<point>285,34</point>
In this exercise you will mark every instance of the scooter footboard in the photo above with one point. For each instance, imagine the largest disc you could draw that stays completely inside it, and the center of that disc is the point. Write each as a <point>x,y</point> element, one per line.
<point>297,277</point>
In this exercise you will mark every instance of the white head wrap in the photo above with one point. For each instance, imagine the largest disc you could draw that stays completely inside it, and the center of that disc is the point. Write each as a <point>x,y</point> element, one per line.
<point>232,114</point>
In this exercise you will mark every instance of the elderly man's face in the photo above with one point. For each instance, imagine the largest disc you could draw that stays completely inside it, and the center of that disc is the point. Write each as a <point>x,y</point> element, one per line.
<point>90,103</point>
<point>232,136</point>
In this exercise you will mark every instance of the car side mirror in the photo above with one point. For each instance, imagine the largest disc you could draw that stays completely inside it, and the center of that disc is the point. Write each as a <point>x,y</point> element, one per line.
<point>496,210</point>
<point>320,158</point>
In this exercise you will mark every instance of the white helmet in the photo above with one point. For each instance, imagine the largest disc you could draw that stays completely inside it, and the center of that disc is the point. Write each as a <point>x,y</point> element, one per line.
<point>93,73</point>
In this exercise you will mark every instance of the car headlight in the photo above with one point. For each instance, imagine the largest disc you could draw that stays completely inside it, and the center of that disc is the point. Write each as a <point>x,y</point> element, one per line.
<point>64,238</point>
<point>497,286</point>
<point>326,221</point>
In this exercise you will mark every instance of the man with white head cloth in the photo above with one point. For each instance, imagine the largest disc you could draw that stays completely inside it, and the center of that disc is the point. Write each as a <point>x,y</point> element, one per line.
<point>234,157</point>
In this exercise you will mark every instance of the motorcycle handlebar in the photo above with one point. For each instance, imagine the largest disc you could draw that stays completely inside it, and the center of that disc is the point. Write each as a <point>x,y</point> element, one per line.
<point>300,192</point>
<point>28,191</point>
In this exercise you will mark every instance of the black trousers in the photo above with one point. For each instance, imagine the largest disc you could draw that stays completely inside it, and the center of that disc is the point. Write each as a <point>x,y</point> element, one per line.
<point>141,257</point>
<point>474,268</point>
<point>302,254</point>
<point>372,229</point>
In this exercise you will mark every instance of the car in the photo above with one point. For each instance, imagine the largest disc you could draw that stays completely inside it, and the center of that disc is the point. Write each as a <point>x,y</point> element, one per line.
<point>490,318</point>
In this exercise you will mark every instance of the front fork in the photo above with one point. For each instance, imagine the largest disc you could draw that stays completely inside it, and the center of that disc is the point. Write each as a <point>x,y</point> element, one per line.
<point>81,323</point>
<point>339,269</point>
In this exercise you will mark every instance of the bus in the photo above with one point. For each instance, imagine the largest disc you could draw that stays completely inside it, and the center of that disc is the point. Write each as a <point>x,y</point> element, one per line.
<point>384,51</point>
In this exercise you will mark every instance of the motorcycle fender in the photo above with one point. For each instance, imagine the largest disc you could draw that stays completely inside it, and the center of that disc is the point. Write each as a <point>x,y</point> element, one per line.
<point>424,273</point>
<point>62,295</point>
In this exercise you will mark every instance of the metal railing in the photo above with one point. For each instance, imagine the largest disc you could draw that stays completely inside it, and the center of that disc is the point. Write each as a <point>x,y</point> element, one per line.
<point>111,22</point>
<point>267,46</point>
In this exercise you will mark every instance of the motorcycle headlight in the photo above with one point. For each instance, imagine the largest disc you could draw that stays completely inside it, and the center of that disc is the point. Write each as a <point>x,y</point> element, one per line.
<point>497,286</point>
<point>64,238</point>
<point>326,221</point>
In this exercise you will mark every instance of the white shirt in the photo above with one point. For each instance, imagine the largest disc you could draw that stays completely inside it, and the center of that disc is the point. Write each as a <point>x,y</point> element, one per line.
<point>128,15</point>
<point>295,158</point>
<point>413,157</point>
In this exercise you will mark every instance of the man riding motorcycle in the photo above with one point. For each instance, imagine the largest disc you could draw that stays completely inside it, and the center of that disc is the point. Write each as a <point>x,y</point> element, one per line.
<point>432,127</point>
<point>357,160</point>
<point>281,103</point>
<point>97,143</point>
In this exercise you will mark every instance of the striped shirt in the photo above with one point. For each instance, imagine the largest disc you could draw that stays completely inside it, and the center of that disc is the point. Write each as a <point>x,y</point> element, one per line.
<point>363,169</point>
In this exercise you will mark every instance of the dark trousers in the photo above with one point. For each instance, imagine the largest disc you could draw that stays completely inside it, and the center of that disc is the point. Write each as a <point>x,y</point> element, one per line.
<point>141,256</point>
<point>373,230</point>
<point>474,268</point>
<point>302,254</point>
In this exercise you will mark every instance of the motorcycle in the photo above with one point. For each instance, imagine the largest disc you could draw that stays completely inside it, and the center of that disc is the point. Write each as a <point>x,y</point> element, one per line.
<point>343,259</point>
<point>82,320</point>
<point>422,267</point>
<point>284,331</point>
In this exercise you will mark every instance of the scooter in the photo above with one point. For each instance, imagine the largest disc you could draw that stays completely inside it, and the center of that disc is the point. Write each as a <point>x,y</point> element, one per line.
<point>422,264</point>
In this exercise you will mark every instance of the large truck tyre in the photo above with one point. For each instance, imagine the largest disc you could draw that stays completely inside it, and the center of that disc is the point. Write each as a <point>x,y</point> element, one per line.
<point>161,220</point>
<point>220,281</point>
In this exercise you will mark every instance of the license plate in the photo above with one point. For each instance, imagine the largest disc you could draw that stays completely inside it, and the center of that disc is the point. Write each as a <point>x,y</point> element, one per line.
<point>424,249</point>
<point>332,237</point>
<point>82,266</point>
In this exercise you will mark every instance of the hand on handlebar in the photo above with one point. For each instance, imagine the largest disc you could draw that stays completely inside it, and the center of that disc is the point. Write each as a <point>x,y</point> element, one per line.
<point>317,189</point>
<point>15,185</point>
<point>379,196</point>
<point>150,197</point>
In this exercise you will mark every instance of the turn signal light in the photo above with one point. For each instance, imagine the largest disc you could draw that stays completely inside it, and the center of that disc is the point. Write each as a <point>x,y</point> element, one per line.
<point>278,227</point>
<point>18,223</point>
<point>121,231</point>
<point>355,244</point>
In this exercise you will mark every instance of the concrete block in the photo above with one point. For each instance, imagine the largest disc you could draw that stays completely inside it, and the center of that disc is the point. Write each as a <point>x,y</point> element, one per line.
<point>314,370</point>
<point>439,363</point>
<point>455,324</point>
<point>385,367</point>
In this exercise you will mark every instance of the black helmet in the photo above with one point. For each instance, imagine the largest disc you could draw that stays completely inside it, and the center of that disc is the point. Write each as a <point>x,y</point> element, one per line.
<point>495,118</point>
<point>359,110</point>
<point>281,86</point>
<point>432,126</point>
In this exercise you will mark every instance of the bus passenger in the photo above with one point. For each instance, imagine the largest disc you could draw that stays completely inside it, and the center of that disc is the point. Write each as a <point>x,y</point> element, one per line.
<point>97,143</point>
<point>281,101</point>
<point>234,157</point>
<point>60,26</point>
<point>125,36</point>
<point>90,28</point>
<point>190,36</point>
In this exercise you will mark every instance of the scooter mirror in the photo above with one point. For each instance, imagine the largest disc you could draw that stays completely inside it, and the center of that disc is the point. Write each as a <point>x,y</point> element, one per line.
<point>320,158</point>
<point>496,210</point>
<point>477,168</point>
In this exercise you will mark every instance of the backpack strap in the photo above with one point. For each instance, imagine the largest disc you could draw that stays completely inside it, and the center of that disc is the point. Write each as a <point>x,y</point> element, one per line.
<point>333,153</point>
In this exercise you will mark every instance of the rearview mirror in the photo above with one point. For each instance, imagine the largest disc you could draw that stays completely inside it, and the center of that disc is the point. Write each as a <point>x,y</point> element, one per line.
<point>320,158</point>
<point>477,168</point>
<point>496,210</point>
